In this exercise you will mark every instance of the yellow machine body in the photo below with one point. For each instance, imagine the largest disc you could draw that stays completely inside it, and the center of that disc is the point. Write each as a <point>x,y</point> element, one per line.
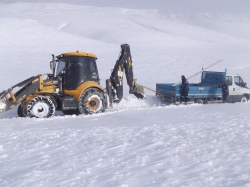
<point>80,89</point>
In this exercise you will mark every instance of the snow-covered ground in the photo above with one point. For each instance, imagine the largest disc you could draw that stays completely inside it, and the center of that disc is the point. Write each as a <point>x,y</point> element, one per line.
<point>136,143</point>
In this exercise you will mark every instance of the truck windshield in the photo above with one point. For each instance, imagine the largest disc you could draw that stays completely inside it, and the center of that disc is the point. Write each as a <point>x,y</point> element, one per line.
<point>60,66</point>
<point>238,81</point>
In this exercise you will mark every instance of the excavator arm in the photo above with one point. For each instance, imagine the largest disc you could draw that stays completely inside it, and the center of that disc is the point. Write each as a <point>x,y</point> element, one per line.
<point>115,83</point>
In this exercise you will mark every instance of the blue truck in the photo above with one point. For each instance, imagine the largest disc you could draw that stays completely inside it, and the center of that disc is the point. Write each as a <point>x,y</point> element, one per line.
<point>207,91</point>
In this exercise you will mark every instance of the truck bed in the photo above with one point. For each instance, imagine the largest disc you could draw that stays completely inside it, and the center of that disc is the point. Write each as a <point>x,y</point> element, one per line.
<point>207,90</point>
<point>196,91</point>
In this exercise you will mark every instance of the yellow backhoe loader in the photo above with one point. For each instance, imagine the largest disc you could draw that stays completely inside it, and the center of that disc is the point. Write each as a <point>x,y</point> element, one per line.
<point>73,87</point>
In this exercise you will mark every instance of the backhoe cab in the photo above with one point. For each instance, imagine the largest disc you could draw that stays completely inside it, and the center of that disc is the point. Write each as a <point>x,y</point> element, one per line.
<point>73,87</point>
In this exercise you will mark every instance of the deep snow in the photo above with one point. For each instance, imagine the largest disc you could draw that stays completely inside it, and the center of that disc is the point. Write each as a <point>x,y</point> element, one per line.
<point>136,143</point>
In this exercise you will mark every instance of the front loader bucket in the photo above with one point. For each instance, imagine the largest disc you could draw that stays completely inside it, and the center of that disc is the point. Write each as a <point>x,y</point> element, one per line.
<point>9,99</point>
<point>2,106</point>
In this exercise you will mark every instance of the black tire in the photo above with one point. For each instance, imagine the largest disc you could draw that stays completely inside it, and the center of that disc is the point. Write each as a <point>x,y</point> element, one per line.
<point>71,112</point>
<point>40,107</point>
<point>243,99</point>
<point>92,101</point>
<point>199,101</point>
<point>210,100</point>
<point>21,112</point>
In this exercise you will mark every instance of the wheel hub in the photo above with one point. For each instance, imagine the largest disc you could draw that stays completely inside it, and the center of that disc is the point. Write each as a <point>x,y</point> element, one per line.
<point>40,109</point>
<point>92,103</point>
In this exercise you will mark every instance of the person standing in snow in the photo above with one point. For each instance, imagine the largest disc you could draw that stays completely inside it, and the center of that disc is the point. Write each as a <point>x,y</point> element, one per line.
<point>225,92</point>
<point>184,89</point>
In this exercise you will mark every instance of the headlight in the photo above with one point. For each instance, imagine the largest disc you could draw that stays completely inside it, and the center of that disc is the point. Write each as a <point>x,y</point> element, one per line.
<point>2,106</point>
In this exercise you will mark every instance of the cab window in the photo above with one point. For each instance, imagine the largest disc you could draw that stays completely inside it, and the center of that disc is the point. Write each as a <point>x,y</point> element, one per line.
<point>229,81</point>
<point>238,81</point>
<point>60,67</point>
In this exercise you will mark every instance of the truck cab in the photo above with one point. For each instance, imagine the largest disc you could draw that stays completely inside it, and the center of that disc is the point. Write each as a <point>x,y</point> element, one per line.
<point>238,90</point>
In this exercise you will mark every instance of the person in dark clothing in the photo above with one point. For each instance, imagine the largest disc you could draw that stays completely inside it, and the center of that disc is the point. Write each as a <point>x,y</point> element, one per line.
<point>225,91</point>
<point>184,89</point>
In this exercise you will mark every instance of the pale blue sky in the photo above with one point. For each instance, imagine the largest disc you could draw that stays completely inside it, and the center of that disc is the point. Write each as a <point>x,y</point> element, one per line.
<point>167,6</point>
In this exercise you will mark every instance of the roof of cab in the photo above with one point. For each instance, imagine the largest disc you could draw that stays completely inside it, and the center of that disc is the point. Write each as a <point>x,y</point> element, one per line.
<point>232,74</point>
<point>77,53</point>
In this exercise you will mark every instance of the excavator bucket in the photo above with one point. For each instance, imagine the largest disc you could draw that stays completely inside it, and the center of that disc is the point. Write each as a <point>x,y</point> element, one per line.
<point>138,91</point>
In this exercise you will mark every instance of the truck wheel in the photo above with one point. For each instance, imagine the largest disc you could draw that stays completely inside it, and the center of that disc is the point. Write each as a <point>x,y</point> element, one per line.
<point>199,101</point>
<point>71,112</point>
<point>210,100</point>
<point>21,112</point>
<point>40,107</point>
<point>243,99</point>
<point>92,101</point>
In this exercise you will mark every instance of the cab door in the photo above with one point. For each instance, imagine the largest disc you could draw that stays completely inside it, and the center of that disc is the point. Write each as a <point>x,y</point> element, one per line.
<point>231,88</point>
<point>239,84</point>
<point>237,88</point>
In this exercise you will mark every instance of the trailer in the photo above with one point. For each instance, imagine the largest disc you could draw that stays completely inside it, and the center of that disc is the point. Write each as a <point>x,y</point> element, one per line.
<point>207,91</point>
